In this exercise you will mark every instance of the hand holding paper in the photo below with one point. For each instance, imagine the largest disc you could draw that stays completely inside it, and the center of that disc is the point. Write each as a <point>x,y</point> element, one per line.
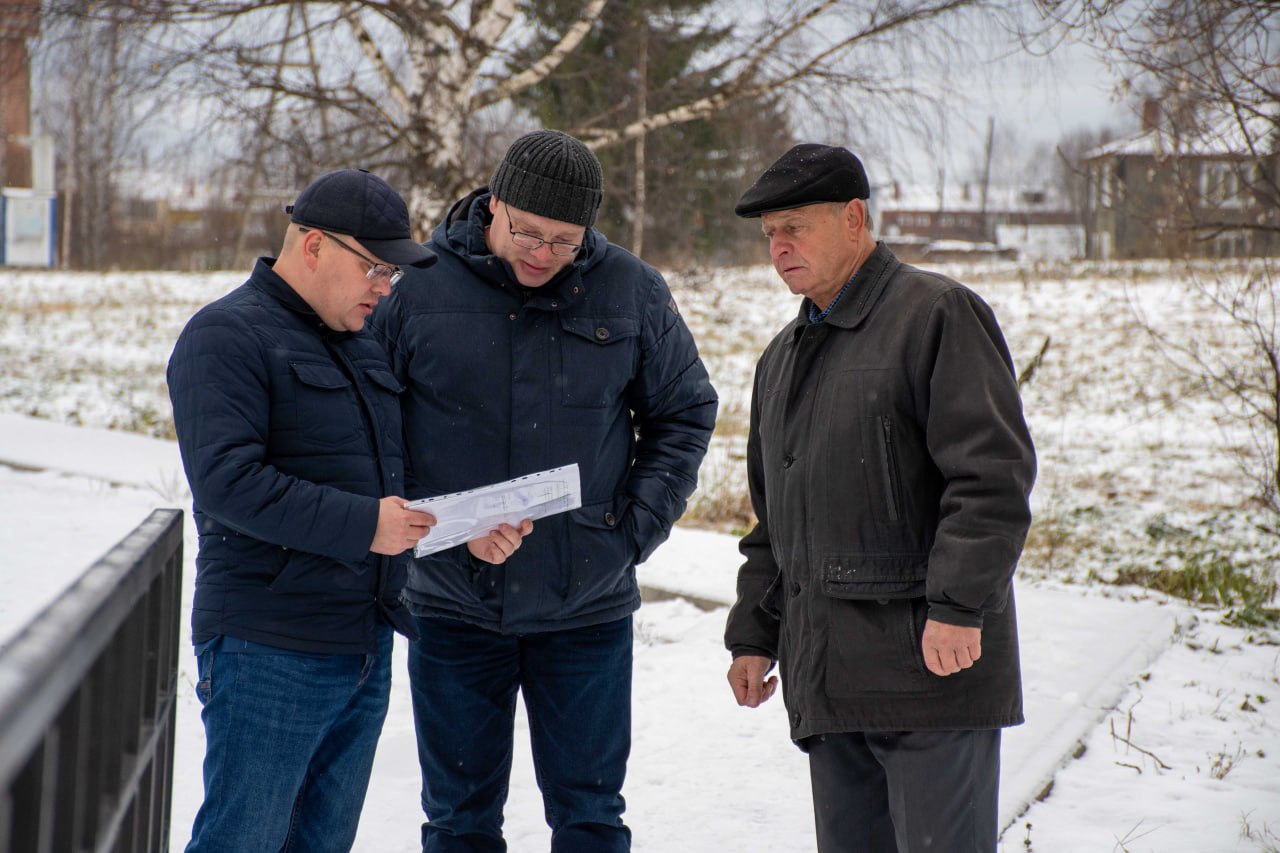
<point>463,516</point>
<point>501,543</point>
<point>399,528</point>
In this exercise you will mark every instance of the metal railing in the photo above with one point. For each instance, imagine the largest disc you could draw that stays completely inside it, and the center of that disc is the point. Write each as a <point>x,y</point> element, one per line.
<point>87,700</point>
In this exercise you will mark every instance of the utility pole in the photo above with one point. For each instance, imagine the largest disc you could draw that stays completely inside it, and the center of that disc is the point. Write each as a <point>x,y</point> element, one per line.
<point>986,181</point>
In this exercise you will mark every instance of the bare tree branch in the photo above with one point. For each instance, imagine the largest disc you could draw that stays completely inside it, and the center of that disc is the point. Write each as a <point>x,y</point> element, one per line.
<point>425,71</point>
<point>751,81</point>
<point>351,12</point>
<point>538,71</point>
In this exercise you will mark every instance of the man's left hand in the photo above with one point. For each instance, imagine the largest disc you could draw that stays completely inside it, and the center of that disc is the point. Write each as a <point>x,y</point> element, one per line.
<point>950,648</point>
<point>500,544</point>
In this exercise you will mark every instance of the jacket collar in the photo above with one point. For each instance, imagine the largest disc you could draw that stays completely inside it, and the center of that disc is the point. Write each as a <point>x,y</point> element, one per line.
<point>865,289</point>
<point>265,278</point>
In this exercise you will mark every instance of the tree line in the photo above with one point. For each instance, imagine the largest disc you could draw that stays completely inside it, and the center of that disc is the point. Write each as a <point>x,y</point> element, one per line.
<point>684,101</point>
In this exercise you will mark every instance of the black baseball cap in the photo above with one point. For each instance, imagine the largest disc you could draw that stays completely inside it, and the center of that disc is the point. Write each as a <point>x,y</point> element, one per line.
<point>359,204</point>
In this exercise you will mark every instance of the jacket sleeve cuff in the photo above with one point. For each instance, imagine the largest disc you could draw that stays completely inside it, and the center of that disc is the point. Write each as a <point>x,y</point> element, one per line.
<point>952,614</point>
<point>744,651</point>
<point>364,518</point>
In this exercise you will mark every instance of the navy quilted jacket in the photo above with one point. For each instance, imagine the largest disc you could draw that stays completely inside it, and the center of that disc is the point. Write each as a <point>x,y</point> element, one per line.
<point>595,367</point>
<point>290,435</point>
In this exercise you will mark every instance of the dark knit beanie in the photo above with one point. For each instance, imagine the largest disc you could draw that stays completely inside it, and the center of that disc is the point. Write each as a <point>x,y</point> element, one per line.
<point>551,174</point>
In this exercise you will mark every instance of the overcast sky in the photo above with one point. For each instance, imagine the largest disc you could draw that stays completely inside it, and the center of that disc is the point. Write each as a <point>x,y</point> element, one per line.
<point>1033,97</point>
<point>1049,95</point>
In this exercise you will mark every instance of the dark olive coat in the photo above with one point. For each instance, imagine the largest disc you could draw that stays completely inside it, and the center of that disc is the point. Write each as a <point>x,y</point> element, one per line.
<point>890,469</point>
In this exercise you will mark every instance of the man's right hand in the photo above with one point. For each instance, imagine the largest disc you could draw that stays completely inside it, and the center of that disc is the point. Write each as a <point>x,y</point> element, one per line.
<point>746,679</point>
<point>399,528</point>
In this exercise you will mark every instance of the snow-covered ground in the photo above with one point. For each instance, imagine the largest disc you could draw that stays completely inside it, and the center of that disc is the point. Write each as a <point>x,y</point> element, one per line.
<point>1158,726</point>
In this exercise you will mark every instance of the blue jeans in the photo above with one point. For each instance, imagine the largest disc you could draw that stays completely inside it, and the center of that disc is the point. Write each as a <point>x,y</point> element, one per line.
<point>577,692</point>
<point>289,747</point>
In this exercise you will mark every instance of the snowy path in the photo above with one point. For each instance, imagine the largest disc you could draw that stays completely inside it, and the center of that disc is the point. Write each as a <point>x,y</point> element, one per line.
<point>1078,655</point>
<point>705,774</point>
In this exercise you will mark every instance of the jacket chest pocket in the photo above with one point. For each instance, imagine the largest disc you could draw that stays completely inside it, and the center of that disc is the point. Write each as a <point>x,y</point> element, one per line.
<point>866,446</point>
<point>321,409</point>
<point>598,358</point>
<point>384,393</point>
<point>880,464</point>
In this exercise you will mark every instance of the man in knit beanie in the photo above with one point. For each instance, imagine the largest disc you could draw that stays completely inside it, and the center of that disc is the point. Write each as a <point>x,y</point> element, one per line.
<point>535,343</point>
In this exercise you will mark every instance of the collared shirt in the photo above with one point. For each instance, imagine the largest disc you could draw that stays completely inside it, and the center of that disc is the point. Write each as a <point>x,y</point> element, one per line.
<point>816,316</point>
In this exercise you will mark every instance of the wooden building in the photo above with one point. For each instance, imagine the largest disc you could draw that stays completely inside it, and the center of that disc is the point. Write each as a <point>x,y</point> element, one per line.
<point>1003,223</point>
<point>1170,193</point>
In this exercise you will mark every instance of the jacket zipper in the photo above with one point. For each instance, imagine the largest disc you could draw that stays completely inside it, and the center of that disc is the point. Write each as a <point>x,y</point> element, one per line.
<point>890,467</point>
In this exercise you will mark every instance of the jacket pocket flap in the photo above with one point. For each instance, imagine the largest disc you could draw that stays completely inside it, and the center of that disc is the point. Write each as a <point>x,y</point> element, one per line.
<point>604,515</point>
<point>601,330</point>
<point>873,576</point>
<point>319,375</point>
<point>384,379</point>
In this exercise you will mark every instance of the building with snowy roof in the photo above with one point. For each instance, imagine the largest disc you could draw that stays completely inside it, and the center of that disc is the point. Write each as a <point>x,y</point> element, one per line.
<point>1175,190</point>
<point>963,221</point>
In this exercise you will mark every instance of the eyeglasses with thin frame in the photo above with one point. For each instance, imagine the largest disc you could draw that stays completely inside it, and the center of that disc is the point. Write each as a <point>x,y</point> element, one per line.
<point>393,274</point>
<point>532,243</point>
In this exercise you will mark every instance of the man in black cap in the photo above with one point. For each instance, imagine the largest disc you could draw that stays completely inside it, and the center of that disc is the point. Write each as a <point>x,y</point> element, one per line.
<point>890,470</point>
<point>536,343</point>
<point>288,420</point>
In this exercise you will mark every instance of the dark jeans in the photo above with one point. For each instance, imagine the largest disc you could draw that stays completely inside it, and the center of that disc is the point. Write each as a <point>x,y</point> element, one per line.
<point>577,692</point>
<point>289,745</point>
<point>905,792</point>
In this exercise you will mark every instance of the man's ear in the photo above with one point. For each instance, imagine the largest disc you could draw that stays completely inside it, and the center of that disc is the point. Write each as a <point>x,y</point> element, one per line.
<point>311,241</point>
<point>855,215</point>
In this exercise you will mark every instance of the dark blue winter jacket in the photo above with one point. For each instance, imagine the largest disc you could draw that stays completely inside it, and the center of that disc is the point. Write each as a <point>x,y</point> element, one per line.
<point>290,435</point>
<point>595,367</point>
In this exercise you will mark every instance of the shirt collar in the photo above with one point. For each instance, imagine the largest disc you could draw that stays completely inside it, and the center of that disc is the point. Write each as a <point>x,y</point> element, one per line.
<point>816,316</point>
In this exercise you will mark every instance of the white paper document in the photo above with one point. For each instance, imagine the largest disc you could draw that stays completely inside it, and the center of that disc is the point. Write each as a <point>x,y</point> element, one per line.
<point>462,516</point>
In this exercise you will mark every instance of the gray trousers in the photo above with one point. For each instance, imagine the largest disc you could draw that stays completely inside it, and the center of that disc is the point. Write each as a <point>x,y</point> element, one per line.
<point>905,792</point>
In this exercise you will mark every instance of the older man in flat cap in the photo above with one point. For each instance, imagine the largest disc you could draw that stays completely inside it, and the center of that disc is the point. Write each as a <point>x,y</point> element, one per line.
<point>890,469</point>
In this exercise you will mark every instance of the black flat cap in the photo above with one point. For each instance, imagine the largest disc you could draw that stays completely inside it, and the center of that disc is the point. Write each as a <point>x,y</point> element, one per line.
<point>807,174</point>
<point>358,203</point>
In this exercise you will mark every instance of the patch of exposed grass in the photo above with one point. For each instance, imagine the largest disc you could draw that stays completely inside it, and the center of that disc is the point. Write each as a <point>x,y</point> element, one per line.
<point>1055,540</point>
<point>1214,562</point>
<point>1224,560</point>
<point>722,502</point>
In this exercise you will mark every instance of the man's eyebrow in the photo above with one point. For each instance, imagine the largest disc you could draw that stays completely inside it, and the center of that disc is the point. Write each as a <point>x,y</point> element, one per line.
<point>786,218</point>
<point>555,238</point>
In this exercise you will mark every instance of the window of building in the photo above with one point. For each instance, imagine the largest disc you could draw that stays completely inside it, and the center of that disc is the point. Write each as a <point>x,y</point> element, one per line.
<point>1220,185</point>
<point>1231,244</point>
<point>1104,178</point>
